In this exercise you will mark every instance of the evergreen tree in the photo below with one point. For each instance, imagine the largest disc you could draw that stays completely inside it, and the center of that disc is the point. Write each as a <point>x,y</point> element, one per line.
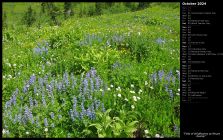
<point>43,6</point>
<point>29,17</point>
<point>143,5</point>
<point>98,7</point>
<point>68,11</point>
<point>53,12</point>
<point>4,20</point>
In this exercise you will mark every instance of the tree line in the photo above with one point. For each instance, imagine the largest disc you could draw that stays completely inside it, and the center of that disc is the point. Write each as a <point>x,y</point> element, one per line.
<point>55,14</point>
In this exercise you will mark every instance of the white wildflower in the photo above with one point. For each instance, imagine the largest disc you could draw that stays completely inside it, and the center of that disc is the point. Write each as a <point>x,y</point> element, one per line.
<point>146,131</point>
<point>146,83</point>
<point>118,89</point>
<point>178,94</point>
<point>138,98</point>
<point>179,90</point>
<point>132,91</point>
<point>9,76</point>
<point>14,65</point>
<point>132,106</point>
<point>132,85</point>
<point>108,89</point>
<point>101,90</point>
<point>151,87</point>
<point>27,133</point>
<point>126,99</point>
<point>111,86</point>
<point>3,131</point>
<point>157,136</point>
<point>48,63</point>
<point>46,129</point>
<point>119,95</point>
<point>134,98</point>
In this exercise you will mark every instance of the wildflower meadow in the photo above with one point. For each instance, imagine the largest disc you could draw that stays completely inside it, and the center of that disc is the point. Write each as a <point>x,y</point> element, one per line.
<point>107,76</point>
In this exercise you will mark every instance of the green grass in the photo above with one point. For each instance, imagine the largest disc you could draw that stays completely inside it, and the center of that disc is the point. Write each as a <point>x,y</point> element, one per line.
<point>124,51</point>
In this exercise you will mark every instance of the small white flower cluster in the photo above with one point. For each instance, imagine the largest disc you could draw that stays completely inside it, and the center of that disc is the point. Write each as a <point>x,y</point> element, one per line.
<point>140,91</point>
<point>4,131</point>
<point>136,98</point>
<point>132,91</point>
<point>118,89</point>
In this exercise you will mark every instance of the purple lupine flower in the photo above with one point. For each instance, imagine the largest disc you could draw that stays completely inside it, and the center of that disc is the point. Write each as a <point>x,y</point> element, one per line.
<point>43,100</point>
<point>25,89</point>
<point>40,80</point>
<point>81,115</point>
<point>178,74</point>
<point>171,93</point>
<point>92,85</point>
<point>97,83</point>
<point>65,78</point>
<point>103,107</point>
<point>21,97</point>
<point>93,72</point>
<point>45,122</point>
<point>82,108</point>
<point>35,102</point>
<point>53,125</point>
<point>88,113</point>
<point>19,118</point>
<point>88,74</point>
<point>32,79</point>
<point>97,104</point>
<point>160,74</point>
<point>108,43</point>
<point>52,115</point>
<point>13,99</point>
<point>154,77</point>
<point>71,114</point>
<point>85,83</point>
<point>29,114</point>
<point>15,119</point>
<point>93,114</point>
<point>45,79</point>
<point>59,116</point>
<point>74,102</point>
<point>59,86</point>
<point>169,76</point>
<point>31,101</point>
<point>175,128</point>
<point>16,91</point>
<point>37,122</point>
<point>166,88</point>
<point>160,41</point>
<point>35,90</point>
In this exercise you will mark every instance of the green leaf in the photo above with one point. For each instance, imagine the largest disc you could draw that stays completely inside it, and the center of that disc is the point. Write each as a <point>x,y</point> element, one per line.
<point>132,123</point>
<point>118,126</point>
<point>130,130</point>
